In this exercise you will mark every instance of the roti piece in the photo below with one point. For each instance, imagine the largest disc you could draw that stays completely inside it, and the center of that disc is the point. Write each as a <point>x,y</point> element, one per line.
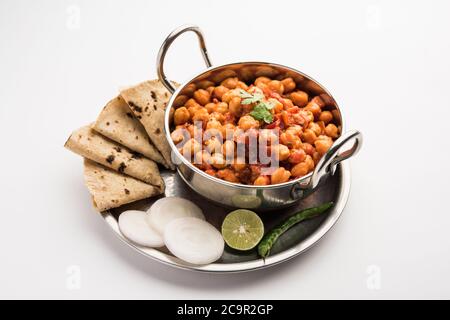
<point>118,123</point>
<point>92,145</point>
<point>110,189</point>
<point>148,101</point>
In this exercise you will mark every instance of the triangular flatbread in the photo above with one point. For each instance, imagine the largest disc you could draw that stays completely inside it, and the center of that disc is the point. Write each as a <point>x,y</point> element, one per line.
<point>148,101</point>
<point>110,189</point>
<point>92,145</point>
<point>118,123</point>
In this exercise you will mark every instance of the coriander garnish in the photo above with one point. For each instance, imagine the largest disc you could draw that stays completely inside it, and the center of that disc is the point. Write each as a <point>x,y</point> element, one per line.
<point>261,111</point>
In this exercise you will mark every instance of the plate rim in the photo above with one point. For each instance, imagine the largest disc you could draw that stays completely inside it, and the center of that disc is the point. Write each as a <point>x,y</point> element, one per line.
<point>247,266</point>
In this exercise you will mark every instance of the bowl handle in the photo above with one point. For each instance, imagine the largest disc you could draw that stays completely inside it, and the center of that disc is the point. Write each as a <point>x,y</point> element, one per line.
<point>328,162</point>
<point>165,46</point>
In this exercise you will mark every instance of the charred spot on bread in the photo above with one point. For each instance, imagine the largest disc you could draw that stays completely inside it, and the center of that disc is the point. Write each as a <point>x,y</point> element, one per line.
<point>126,191</point>
<point>157,130</point>
<point>129,115</point>
<point>153,94</point>
<point>122,167</point>
<point>136,155</point>
<point>110,159</point>
<point>134,106</point>
<point>107,123</point>
<point>118,149</point>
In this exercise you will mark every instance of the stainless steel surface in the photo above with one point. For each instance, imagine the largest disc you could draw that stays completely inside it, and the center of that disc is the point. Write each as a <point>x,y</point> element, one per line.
<point>163,50</point>
<point>264,198</point>
<point>295,241</point>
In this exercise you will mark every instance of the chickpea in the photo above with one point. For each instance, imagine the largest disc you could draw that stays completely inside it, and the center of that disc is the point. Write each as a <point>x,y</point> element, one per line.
<point>277,105</point>
<point>204,84</point>
<point>276,86</point>
<point>316,157</point>
<point>219,91</point>
<point>230,83</point>
<point>211,172</point>
<point>300,169</point>
<point>214,124</point>
<point>178,135</point>
<point>192,103</point>
<point>310,162</point>
<point>189,90</point>
<point>322,145</point>
<point>308,115</point>
<point>228,149</point>
<point>202,96</point>
<point>327,100</point>
<point>192,130</point>
<point>222,107</point>
<point>228,131</point>
<point>267,135</point>
<point>309,136</point>
<point>213,145</point>
<point>210,90</point>
<point>332,131</point>
<point>192,110</point>
<point>315,128</point>
<point>290,139</point>
<point>171,113</point>
<point>262,181</point>
<point>282,152</point>
<point>218,161</point>
<point>191,147</point>
<point>242,85</point>
<point>262,86</point>
<point>295,129</point>
<point>314,108</point>
<point>181,116</point>
<point>227,96</point>
<point>318,100</point>
<point>280,175</point>
<point>308,148</point>
<point>288,103</point>
<point>227,175</point>
<point>211,107</point>
<point>239,164</point>
<point>180,101</point>
<point>217,116</point>
<point>289,84</point>
<point>201,115</point>
<point>202,159</point>
<point>321,125</point>
<point>248,122</point>
<point>326,116</point>
<point>261,80</point>
<point>299,98</point>
<point>297,156</point>
<point>235,106</point>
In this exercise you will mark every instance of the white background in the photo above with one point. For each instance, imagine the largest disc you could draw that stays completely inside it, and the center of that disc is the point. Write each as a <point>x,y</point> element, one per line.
<point>386,62</point>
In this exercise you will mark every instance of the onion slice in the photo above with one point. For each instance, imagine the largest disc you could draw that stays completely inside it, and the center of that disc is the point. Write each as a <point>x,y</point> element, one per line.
<point>194,240</point>
<point>133,225</point>
<point>167,209</point>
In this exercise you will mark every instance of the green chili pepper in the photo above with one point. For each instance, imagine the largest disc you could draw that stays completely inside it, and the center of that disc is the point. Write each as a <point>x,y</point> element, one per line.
<point>271,237</point>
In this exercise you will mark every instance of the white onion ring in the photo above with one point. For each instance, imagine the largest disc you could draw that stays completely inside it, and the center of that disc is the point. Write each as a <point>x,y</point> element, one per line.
<point>167,209</point>
<point>194,240</point>
<point>133,225</point>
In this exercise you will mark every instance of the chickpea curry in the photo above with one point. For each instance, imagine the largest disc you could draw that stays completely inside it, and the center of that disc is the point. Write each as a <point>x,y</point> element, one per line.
<point>303,125</point>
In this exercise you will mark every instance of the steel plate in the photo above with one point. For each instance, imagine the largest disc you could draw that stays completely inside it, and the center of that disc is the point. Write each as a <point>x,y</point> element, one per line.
<point>295,241</point>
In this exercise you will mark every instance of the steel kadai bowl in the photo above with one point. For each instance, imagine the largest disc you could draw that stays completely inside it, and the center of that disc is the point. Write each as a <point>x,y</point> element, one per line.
<point>235,195</point>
